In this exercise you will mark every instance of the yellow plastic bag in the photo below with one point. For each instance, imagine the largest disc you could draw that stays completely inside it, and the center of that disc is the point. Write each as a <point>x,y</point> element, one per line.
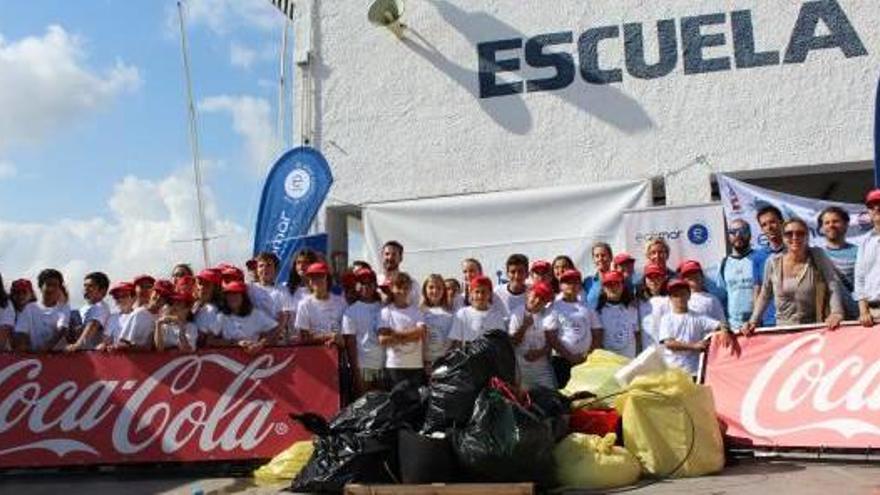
<point>596,375</point>
<point>286,465</point>
<point>595,463</point>
<point>669,424</point>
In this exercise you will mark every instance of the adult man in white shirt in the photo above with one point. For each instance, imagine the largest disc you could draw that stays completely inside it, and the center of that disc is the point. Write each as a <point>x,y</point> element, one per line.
<point>43,323</point>
<point>867,271</point>
<point>95,314</point>
<point>392,256</point>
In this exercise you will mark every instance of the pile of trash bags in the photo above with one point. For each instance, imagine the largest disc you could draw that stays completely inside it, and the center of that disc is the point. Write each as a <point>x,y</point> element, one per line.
<point>473,424</point>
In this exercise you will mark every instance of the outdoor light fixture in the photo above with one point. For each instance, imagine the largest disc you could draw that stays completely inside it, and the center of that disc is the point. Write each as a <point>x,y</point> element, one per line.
<point>387,13</point>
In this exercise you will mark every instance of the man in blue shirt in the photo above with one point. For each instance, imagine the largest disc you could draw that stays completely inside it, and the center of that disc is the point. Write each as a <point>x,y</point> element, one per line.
<point>770,219</point>
<point>738,274</point>
<point>833,223</point>
<point>602,257</point>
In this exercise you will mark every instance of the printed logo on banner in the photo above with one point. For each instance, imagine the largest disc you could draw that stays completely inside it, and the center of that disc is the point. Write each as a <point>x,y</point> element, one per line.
<point>698,234</point>
<point>297,183</point>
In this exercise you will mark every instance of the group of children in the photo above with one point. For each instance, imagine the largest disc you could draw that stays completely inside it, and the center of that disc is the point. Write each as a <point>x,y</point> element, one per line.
<point>391,330</point>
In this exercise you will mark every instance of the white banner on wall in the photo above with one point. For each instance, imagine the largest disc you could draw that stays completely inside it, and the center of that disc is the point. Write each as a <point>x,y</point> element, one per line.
<point>742,200</point>
<point>438,233</point>
<point>693,232</point>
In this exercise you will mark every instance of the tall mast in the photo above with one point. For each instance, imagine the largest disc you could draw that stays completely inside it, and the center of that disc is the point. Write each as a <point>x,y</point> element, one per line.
<point>193,138</point>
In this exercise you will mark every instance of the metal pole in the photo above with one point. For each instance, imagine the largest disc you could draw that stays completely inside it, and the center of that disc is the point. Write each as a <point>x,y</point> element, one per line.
<point>193,138</point>
<point>282,94</point>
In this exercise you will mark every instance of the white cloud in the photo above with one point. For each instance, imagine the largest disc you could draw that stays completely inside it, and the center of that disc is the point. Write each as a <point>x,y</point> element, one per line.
<point>7,170</point>
<point>221,16</point>
<point>140,233</point>
<point>241,56</point>
<point>46,86</point>
<point>251,119</point>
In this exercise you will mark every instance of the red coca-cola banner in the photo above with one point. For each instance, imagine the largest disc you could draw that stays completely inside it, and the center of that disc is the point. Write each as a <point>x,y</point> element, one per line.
<point>811,388</point>
<point>93,408</point>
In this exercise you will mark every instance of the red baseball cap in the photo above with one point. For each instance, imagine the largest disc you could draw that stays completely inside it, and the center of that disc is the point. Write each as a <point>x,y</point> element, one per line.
<point>653,270</point>
<point>689,266</point>
<point>612,277</point>
<point>235,287</point>
<point>365,275</point>
<point>677,283</point>
<point>230,273</point>
<point>319,268</point>
<point>541,266</point>
<point>223,266</point>
<point>622,258</point>
<point>185,280</point>
<point>164,287</point>
<point>873,196</point>
<point>481,280</point>
<point>570,276</point>
<point>181,297</point>
<point>210,275</point>
<point>348,279</point>
<point>21,284</point>
<point>543,290</point>
<point>120,287</point>
<point>140,279</point>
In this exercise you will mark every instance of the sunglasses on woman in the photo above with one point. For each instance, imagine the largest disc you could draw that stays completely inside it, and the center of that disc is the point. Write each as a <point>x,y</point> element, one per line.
<point>795,234</point>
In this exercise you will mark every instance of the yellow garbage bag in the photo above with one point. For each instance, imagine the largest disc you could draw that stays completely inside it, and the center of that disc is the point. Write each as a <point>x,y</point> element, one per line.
<point>669,424</point>
<point>286,465</point>
<point>596,375</point>
<point>595,463</point>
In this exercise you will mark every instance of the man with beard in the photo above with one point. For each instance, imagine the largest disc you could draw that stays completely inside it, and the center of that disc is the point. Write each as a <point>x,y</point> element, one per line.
<point>392,256</point>
<point>738,274</point>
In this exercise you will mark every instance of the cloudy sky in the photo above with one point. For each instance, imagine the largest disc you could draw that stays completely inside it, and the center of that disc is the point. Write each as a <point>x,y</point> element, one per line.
<point>95,163</point>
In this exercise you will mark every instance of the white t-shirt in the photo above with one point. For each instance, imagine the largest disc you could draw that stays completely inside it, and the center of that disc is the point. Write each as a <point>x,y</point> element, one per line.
<point>470,323</point>
<point>575,323</point>
<point>171,335</point>
<point>362,320</point>
<point>42,323</point>
<point>439,322</point>
<point>100,313</point>
<point>538,372</point>
<point>701,303</point>
<point>289,303</point>
<point>115,324</point>
<point>139,328</point>
<point>267,298</point>
<point>408,355</point>
<point>619,326</point>
<point>249,328</point>
<point>207,320</point>
<point>685,327</point>
<point>7,315</point>
<point>648,311</point>
<point>510,301</point>
<point>320,317</point>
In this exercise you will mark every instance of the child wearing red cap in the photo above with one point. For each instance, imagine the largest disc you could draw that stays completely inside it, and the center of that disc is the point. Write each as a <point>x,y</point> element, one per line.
<point>319,315</point>
<point>575,328</point>
<point>21,294</point>
<point>541,271</point>
<point>43,324</point>
<point>360,330</point>
<point>123,297</point>
<point>473,321</point>
<point>175,329</point>
<point>241,323</point>
<point>206,309</point>
<point>402,332</point>
<point>513,294</point>
<point>437,314</point>
<point>143,289</point>
<point>619,315</point>
<point>137,334</point>
<point>684,333</point>
<point>652,299</point>
<point>528,327</point>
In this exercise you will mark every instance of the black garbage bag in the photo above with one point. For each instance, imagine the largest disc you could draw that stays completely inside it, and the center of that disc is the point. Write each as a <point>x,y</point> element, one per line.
<point>505,442</point>
<point>553,407</point>
<point>360,443</point>
<point>459,377</point>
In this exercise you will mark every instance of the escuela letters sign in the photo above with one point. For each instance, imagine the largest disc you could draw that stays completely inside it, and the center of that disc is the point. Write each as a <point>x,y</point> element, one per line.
<point>811,388</point>
<point>92,408</point>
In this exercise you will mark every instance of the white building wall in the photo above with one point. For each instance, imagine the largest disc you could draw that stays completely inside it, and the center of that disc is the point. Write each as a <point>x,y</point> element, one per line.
<point>404,119</point>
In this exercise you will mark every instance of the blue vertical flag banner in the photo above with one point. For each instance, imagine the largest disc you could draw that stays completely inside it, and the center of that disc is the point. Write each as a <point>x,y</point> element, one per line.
<point>294,191</point>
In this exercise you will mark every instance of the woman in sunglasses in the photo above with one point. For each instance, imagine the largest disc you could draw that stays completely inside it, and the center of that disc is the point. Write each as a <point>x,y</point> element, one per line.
<point>801,281</point>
